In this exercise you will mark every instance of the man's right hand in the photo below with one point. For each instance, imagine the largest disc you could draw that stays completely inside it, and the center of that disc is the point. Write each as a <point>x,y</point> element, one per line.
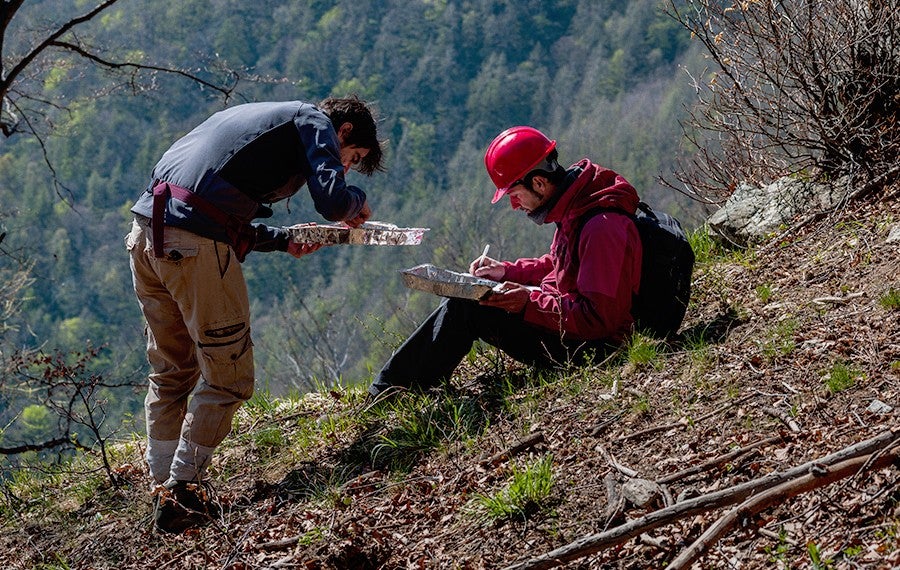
<point>487,268</point>
<point>301,249</point>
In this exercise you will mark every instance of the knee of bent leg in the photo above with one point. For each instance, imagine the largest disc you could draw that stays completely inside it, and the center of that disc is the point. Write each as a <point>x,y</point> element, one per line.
<point>226,354</point>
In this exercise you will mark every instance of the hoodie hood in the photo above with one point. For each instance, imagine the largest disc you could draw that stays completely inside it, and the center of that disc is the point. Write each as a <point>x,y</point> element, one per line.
<point>595,187</point>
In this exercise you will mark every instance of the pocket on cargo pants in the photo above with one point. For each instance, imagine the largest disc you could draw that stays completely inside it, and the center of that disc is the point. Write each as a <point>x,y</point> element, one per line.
<point>225,351</point>
<point>229,359</point>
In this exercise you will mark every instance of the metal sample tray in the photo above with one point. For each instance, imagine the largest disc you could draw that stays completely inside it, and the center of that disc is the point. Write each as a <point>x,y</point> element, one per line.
<point>369,233</point>
<point>447,283</point>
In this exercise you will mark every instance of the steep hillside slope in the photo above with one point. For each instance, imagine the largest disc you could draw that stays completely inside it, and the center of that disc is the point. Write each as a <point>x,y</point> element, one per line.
<point>791,352</point>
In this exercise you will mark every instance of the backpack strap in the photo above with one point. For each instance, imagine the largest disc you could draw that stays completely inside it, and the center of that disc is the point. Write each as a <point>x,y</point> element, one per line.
<point>586,216</point>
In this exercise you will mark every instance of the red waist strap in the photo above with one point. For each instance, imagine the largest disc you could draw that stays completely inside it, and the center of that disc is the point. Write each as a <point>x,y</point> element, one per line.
<point>241,235</point>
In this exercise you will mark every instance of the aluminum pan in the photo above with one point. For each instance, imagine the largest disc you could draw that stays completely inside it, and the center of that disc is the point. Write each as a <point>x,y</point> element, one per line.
<point>447,283</point>
<point>369,233</point>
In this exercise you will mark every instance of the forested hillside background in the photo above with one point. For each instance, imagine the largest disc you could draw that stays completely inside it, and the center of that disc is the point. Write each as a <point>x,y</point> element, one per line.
<point>605,78</point>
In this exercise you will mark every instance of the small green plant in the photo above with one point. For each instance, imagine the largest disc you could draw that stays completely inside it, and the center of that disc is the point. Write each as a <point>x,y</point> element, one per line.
<point>700,353</point>
<point>269,439</point>
<point>609,377</point>
<point>261,403</point>
<point>779,340</point>
<point>422,425</point>
<point>705,247</point>
<point>778,553</point>
<point>895,366</point>
<point>641,406</point>
<point>815,556</point>
<point>841,377</point>
<point>890,300</point>
<point>643,351</point>
<point>764,292</point>
<point>85,486</point>
<point>709,249</point>
<point>311,536</point>
<point>525,494</point>
<point>853,551</point>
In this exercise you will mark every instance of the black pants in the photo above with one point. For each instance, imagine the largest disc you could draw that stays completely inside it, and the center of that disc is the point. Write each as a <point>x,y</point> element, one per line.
<point>431,354</point>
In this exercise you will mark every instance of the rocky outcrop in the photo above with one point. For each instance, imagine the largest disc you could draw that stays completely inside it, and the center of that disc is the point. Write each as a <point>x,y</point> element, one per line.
<point>752,213</point>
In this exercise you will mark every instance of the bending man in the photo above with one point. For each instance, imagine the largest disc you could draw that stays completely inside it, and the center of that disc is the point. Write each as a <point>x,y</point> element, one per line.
<point>192,228</point>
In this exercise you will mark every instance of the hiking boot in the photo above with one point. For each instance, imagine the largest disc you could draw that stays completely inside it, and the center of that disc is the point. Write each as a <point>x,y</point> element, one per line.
<point>182,505</point>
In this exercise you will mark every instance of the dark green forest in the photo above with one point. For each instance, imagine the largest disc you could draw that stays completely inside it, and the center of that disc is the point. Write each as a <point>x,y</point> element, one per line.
<point>605,78</point>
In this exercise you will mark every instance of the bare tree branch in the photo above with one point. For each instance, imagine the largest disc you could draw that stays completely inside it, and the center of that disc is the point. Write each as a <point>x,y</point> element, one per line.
<point>29,58</point>
<point>21,75</point>
<point>226,91</point>
<point>777,495</point>
<point>799,87</point>
<point>50,444</point>
<point>58,185</point>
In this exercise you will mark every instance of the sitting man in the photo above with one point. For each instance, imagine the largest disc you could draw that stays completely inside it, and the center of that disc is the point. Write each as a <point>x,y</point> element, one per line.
<point>572,301</point>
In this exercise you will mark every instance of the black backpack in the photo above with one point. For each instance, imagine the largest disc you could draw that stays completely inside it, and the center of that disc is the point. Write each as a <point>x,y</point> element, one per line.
<point>666,268</point>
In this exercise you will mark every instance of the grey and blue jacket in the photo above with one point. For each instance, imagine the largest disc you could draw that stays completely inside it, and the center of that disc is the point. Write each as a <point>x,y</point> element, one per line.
<point>250,155</point>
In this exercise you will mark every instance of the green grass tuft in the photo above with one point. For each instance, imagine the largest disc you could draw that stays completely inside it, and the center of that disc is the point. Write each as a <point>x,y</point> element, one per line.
<point>841,377</point>
<point>890,300</point>
<point>779,341</point>
<point>525,494</point>
<point>643,351</point>
<point>764,292</point>
<point>706,248</point>
<point>422,424</point>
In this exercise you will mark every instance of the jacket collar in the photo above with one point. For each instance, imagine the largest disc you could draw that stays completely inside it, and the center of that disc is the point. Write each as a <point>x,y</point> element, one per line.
<point>593,186</point>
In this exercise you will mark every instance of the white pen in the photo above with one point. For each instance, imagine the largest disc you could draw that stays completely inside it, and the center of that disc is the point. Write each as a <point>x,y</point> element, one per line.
<point>484,255</point>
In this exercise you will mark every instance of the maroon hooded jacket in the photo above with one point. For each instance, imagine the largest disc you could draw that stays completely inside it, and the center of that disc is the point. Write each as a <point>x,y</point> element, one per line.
<point>586,296</point>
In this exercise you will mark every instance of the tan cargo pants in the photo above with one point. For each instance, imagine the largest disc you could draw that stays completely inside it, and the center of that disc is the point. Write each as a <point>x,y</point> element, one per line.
<point>198,341</point>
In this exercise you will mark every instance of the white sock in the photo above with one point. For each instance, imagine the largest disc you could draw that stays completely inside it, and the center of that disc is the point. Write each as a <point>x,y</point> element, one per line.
<point>190,461</point>
<point>159,457</point>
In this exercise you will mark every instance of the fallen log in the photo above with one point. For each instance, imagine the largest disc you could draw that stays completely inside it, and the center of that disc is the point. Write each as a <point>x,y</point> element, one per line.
<point>704,503</point>
<point>776,495</point>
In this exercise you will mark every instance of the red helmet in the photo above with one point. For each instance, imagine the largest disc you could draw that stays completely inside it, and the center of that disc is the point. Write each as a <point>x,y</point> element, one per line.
<point>513,154</point>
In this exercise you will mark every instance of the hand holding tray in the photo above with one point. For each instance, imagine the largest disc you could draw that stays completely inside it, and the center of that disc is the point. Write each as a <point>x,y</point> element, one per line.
<point>447,283</point>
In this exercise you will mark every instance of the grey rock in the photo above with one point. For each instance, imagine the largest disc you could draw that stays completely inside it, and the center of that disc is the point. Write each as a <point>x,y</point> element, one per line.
<point>894,235</point>
<point>879,407</point>
<point>752,213</point>
<point>640,492</point>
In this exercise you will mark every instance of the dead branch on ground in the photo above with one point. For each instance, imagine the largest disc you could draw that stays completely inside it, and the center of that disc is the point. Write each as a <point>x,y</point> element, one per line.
<point>716,461</point>
<point>711,501</point>
<point>525,443</point>
<point>777,495</point>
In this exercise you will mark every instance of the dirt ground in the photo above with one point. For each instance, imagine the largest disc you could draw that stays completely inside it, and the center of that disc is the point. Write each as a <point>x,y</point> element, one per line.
<point>753,389</point>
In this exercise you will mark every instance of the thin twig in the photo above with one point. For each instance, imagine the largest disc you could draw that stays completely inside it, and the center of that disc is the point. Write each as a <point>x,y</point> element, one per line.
<point>716,461</point>
<point>681,425</point>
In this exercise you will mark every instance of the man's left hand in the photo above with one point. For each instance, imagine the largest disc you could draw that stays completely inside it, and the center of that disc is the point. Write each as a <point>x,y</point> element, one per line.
<point>301,249</point>
<point>364,214</point>
<point>511,297</point>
